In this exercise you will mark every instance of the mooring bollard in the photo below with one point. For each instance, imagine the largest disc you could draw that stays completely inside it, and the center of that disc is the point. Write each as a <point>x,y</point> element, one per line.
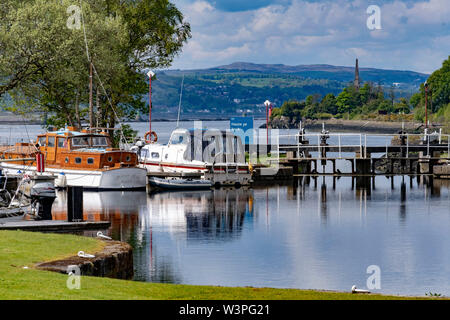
<point>75,204</point>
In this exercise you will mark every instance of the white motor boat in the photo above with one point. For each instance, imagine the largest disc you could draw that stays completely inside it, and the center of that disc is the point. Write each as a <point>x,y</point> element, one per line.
<point>219,156</point>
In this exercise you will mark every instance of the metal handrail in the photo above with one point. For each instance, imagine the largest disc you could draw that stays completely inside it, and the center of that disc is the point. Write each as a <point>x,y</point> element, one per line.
<point>425,137</point>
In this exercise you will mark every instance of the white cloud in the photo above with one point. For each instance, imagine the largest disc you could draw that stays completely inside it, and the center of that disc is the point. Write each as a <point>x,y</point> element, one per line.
<point>303,32</point>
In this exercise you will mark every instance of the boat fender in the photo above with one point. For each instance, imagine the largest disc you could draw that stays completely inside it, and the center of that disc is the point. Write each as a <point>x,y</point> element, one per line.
<point>61,180</point>
<point>151,137</point>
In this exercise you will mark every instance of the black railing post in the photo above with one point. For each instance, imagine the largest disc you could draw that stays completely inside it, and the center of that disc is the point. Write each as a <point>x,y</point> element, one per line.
<point>75,204</point>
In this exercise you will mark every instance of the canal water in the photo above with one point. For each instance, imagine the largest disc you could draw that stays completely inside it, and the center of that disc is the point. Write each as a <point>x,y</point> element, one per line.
<point>309,233</point>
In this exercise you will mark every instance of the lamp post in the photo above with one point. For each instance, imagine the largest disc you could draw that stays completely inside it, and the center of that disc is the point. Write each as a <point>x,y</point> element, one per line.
<point>150,75</point>
<point>267,104</point>
<point>426,104</point>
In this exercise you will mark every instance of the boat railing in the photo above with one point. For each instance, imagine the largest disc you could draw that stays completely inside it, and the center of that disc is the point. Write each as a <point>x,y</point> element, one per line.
<point>9,141</point>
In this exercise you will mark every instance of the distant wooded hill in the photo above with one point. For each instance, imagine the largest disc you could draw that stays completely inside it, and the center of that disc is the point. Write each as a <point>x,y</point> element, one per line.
<point>241,88</point>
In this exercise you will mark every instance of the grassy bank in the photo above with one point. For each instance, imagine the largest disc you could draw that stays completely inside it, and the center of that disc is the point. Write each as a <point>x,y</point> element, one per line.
<point>20,251</point>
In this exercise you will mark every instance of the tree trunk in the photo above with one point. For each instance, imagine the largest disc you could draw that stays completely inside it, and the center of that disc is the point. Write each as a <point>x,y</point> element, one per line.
<point>77,109</point>
<point>112,124</point>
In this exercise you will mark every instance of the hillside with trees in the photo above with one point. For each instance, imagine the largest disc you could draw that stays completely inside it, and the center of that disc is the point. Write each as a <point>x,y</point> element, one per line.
<point>372,102</point>
<point>438,97</point>
<point>241,88</point>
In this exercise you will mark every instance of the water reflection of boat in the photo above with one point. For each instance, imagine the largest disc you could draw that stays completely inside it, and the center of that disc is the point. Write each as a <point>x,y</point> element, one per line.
<point>214,214</point>
<point>122,209</point>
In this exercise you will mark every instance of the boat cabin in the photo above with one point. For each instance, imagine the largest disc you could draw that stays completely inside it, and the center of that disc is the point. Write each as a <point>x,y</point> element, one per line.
<point>208,146</point>
<point>72,149</point>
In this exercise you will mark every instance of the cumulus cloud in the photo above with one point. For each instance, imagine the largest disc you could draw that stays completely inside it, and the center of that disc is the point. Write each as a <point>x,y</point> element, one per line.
<point>322,31</point>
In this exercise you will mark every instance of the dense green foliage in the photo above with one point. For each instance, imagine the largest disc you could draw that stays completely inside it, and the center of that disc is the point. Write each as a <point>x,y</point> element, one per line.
<point>232,93</point>
<point>438,95</point>
<point>370,101</point>
<point>44,66</point>
<point>349,103</point>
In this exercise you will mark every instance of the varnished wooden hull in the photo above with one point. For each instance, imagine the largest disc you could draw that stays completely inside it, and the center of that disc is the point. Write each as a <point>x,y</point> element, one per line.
<point>112,179</point>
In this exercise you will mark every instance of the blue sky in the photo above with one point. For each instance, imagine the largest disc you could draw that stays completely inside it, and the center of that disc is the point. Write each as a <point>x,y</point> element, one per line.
<point>414,34</point>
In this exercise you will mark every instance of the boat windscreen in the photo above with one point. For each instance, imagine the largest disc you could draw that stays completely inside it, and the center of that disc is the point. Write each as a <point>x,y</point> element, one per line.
<point>90,141</point>
<point>99,141</point>
<point>179,138</point>
<point>80,142</point>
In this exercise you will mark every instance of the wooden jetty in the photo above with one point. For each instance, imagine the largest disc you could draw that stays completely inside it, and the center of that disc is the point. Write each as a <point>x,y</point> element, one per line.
<point>414,153</point>
<point>442,171</point>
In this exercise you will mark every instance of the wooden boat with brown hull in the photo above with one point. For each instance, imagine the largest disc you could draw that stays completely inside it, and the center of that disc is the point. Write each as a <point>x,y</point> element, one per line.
<point>77,158</point>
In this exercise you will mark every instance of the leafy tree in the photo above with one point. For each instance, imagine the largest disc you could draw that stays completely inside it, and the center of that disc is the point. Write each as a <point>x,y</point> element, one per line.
<point>22,53</point>
<point>386,107</point>
<point>402,106</point>
<point>366,93</point>
<point>289,108</point>
<point>415,99</point>
<point>309,100</point>
<point>124,38</point>
<point>344,101</point>
<point>439,85</point>
<point>328,104</point>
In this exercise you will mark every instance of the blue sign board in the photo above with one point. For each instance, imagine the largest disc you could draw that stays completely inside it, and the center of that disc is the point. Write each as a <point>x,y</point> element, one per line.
<point>243,128</point>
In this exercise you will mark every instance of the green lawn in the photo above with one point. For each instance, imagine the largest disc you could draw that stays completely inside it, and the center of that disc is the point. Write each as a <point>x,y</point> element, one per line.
<point>24,249</point>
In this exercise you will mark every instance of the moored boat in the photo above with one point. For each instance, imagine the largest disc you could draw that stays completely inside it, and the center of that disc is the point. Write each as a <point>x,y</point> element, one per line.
<point>218,155</point>
<point>77,158</point>
<point>180,184</point>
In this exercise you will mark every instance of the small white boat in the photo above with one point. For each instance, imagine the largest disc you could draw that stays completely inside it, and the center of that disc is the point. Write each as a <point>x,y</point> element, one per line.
<point>218,155</point>
<point>180,184</point>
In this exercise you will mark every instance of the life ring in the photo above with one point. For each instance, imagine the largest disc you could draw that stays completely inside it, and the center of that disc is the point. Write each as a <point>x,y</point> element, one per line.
<point>151,137</point>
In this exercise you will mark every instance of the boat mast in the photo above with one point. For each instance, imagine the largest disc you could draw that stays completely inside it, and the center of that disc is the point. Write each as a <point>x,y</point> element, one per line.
<point>91,107</point>
<point>150,75</point>
<point>179,105</point>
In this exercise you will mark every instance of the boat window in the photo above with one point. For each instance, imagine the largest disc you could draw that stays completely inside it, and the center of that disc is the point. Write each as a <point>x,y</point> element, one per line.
<point>196,150</point>
<point>99,141</point>
<point>80,141</point>
<point>67,160</point>
<point>78,160</point>
<point>144,153</point>
<point>90,161</point>
<point>62,142</point>
<point>178,138</point>
<point>128,159</point>
<point>51,141</point>
<point>110,159</point>
<point>155,155</point>
<point>43,141</point>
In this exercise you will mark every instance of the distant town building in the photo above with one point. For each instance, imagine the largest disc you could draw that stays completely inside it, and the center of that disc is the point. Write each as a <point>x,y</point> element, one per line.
<point>357,82</point>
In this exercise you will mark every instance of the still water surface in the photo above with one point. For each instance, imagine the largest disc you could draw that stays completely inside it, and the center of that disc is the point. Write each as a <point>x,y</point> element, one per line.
<point>308,233</point>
